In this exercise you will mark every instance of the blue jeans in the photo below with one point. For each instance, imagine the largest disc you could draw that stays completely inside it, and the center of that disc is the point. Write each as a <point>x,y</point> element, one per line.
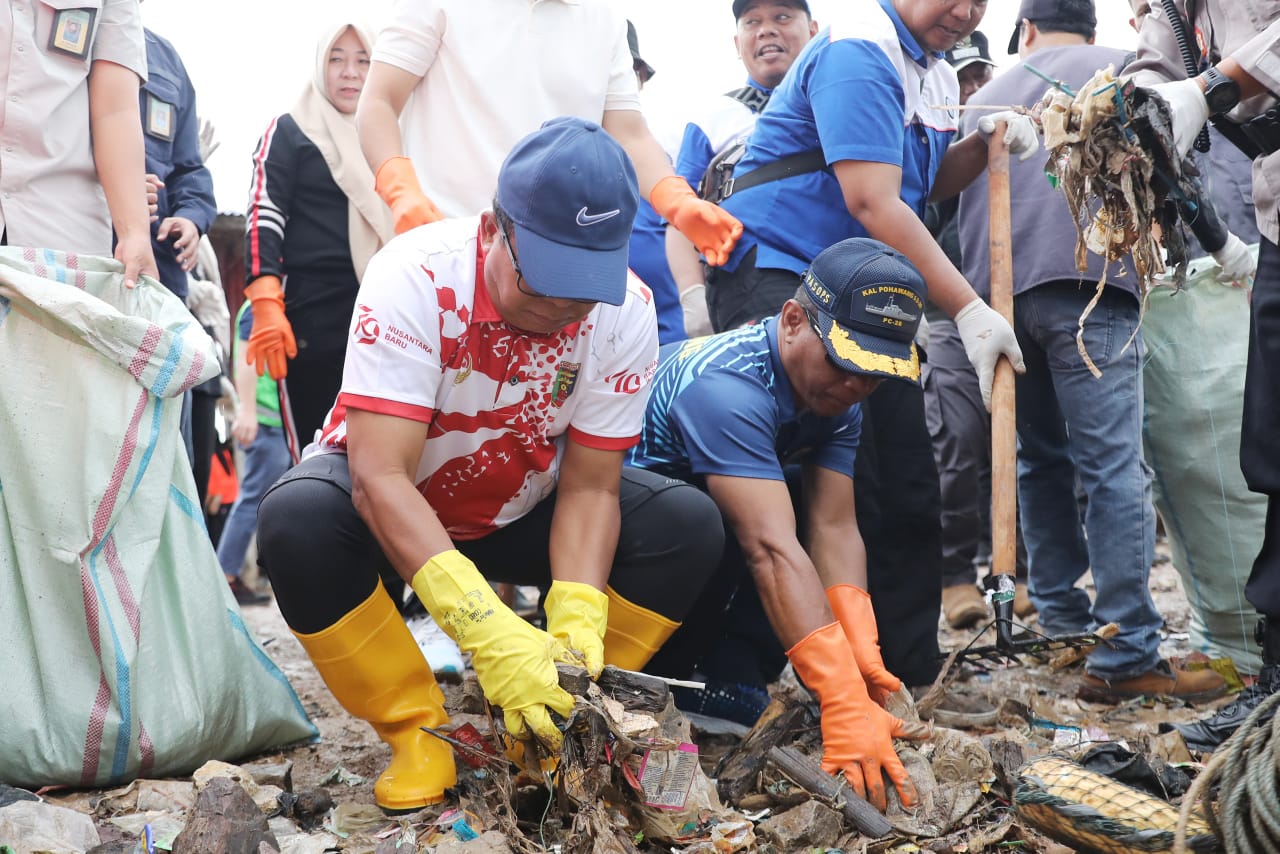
<point>265,460</point>
<point>1070,424</point>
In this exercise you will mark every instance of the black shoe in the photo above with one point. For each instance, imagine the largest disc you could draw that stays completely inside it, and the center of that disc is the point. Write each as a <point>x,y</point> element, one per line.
<point>246,595</point>
<point>1207,735</point>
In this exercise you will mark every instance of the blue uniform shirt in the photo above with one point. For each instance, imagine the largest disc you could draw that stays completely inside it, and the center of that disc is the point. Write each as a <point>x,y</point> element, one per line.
<point>723,405</point>
<point>172,136</point>
<point>862,89</point>
<point>647,257</point>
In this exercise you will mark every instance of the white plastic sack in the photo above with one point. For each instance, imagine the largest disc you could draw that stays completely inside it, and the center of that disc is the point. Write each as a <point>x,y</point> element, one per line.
<point>123,652</point>
<point>1193,378</point>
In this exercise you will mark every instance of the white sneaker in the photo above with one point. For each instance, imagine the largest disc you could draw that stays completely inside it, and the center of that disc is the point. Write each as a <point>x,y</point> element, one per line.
<point>437,648</point>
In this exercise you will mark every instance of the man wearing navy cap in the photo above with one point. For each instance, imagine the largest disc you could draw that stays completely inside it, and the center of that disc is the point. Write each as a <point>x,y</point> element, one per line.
<point>498,371</point>
<point>757,414</point>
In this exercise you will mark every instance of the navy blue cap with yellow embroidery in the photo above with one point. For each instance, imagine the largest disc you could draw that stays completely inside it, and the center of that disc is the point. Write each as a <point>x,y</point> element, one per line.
<point>870,299</point>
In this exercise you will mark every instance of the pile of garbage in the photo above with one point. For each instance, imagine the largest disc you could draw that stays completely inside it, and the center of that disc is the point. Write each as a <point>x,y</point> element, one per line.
<point>637,775</point>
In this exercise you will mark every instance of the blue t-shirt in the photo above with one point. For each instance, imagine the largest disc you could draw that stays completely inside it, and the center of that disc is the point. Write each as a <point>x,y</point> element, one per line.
<point>723,405</point>
<point>862,89</point>
<point>647,258</point>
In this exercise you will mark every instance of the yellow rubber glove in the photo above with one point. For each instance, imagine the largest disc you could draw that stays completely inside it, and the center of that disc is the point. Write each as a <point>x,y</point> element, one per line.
<point>852,607</point>
<point>514,662</point>
<point>577,616</point>
<point>397,184</point>
<point>710,228</point>
<point>271,343</point>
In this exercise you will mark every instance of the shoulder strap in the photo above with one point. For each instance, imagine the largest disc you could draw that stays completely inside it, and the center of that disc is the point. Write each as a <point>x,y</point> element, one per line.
<point>795,164</point>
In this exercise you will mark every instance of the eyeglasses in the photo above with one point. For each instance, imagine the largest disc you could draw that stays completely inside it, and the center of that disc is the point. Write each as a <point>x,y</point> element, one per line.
<point>529,290</point>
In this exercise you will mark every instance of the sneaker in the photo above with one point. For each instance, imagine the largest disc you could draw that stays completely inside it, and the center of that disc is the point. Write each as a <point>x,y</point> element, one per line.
<point>246,595</point>
<point>438,648</point>
<point>1193,686</point>
<point>963,606</point>
<point>1206,735</point>
<point>525,601</point>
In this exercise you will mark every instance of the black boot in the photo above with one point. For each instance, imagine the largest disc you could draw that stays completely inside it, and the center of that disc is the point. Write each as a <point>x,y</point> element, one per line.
<point>1206,735</point>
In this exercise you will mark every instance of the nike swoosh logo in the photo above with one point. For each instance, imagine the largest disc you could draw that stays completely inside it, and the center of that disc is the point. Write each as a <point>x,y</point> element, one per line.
<point>585,219</point>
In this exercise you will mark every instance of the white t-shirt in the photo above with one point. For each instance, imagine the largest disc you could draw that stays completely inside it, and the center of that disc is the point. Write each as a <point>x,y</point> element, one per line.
<point>427,344</point>
<point>492,72</point>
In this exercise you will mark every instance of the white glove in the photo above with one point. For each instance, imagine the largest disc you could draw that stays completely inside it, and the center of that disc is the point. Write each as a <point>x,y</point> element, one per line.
<point>1236,261</point>
<point>987,336</point>
<point>1187,108</point>
<point>1021,137</point>
<point>696,320</point>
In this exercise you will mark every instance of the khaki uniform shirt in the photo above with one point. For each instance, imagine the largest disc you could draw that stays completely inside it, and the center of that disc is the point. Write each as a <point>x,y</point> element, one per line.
<point>49,190</point>
<point>1249,32</point>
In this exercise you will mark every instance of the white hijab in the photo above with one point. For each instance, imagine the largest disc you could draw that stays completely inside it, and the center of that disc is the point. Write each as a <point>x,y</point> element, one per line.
<point>369,221</point>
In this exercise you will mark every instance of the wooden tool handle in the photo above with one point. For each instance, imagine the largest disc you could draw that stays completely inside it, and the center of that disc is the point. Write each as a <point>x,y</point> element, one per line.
<point>1004,485</point>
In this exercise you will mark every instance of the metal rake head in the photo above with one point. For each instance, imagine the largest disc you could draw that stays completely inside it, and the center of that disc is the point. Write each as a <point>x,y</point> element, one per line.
<point>1010,649</point>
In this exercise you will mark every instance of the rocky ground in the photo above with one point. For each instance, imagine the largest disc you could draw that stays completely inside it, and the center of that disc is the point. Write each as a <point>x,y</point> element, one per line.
<point>1038,711</point>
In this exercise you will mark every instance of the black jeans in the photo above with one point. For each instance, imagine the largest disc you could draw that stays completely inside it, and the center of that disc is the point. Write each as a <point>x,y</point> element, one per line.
<point>895,485</point>
<point>1260,430</point>
<point>323,560</point>
<point>960,428</point>
<point>748,294</point>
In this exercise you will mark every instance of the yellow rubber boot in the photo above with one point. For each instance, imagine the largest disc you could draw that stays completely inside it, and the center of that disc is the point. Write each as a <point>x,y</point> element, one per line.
<point>634,633</point>
<point>376,671</point>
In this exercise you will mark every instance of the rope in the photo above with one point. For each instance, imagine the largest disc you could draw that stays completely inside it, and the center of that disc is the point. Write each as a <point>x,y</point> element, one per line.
<point>1245,768</point>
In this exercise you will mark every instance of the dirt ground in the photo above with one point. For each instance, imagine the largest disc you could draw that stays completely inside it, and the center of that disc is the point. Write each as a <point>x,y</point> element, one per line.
<point>350,743</point>
<point>348,746</point>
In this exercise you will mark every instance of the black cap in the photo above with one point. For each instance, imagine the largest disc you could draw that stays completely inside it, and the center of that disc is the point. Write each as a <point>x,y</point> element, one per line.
<point>969,50</point>
<point>870,299</point>
<point>741,6</point>
<point>1050,10</point>
<point>644,69</point>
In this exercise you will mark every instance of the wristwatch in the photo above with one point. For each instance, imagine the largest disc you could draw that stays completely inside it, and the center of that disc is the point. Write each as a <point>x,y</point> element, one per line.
<point>1221,93</point>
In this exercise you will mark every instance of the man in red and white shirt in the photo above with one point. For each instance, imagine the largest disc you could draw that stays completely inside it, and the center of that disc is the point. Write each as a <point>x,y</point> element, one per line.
<point>497,372</point>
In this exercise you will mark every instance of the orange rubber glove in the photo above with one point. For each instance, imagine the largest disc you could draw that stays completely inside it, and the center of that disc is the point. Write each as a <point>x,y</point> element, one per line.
<point>852,607</point>
<point>710,228</point>
<point>398,186</point>
<point>271,342</point>
<point>857,735</point>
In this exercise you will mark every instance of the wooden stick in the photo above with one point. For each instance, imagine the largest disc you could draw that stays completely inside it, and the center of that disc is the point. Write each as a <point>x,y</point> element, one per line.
<point>1004,436</point>
<point>808,775</point>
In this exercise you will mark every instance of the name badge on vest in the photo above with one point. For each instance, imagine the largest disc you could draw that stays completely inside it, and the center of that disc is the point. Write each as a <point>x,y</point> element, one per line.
<point>72,31</point>
<point>159,118</point>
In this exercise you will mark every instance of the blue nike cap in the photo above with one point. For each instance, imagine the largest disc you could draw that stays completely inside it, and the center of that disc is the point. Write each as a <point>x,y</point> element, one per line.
<point>571,193</point>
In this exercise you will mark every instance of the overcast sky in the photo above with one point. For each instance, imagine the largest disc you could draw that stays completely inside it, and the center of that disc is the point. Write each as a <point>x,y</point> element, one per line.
<point>249,59</point>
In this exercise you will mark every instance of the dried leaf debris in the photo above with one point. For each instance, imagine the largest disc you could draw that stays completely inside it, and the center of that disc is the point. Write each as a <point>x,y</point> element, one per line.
<point>1111,152</point>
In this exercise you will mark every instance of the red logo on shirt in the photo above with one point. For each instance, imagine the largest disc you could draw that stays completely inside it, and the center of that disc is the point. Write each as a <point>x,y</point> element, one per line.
<point>367,328</point>
<point>624,382</point>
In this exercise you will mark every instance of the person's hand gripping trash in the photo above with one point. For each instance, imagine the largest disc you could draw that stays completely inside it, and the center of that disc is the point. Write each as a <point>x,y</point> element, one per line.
<point>857,735</point>
<point>514,662</point>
